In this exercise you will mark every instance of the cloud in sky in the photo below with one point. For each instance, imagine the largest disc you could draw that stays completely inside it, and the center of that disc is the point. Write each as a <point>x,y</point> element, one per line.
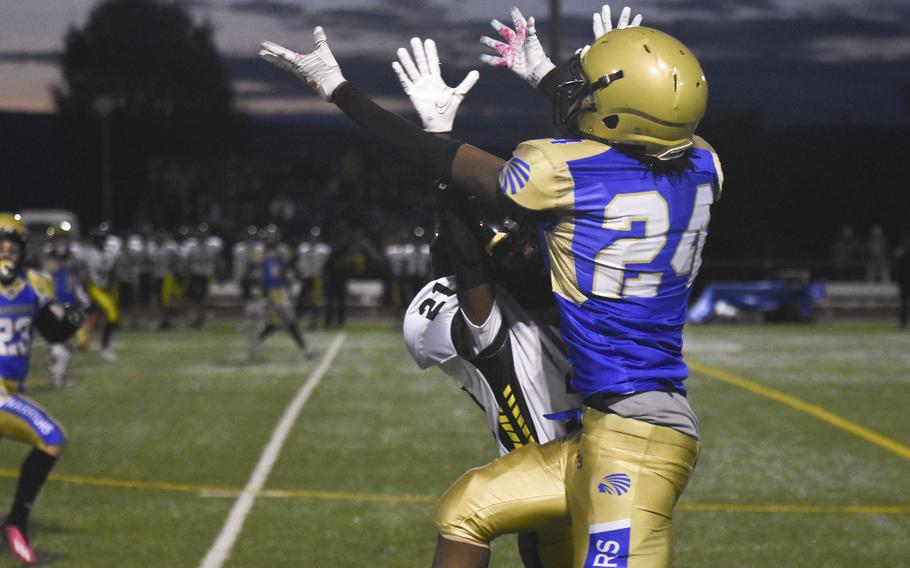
<point>857,49</point>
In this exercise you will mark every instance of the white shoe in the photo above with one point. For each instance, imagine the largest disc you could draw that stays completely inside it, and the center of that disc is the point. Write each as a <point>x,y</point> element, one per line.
<point>108,355</point>
<point>60,383</point>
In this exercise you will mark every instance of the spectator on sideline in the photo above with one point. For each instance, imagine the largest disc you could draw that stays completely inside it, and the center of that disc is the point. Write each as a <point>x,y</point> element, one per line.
<point>845,254</point>
<point>902,277</point>
<point>878,268</point>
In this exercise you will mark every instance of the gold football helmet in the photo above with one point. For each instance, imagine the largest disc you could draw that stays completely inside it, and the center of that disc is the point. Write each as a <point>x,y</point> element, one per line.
<point>636,88</point>
<point>12,229</point>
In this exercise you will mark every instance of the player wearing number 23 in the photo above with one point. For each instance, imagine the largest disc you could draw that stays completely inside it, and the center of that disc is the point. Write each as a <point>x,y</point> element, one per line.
<point>27,304</point>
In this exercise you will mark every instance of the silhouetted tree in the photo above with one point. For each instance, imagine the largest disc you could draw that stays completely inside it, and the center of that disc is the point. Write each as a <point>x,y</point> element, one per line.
<point>168,99</point>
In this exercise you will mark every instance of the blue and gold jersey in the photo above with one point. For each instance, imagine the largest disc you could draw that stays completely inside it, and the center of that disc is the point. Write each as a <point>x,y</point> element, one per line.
<point>274,269</point>
<point>67,279</point>
<point>624,245</point>
<point>19,304</point>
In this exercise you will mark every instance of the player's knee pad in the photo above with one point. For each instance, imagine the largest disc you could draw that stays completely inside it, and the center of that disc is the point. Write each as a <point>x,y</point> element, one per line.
<point>454,517</point>
<point>456,514</point>
<point>520,491</point>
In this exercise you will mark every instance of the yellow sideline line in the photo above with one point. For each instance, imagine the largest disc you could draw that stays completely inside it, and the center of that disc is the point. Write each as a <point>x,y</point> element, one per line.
<point>784,508</point>
<point>811,409</point>
<point>341,496</point>
<point>130,483</point>
<point>217,490</point>
<point>212,490</point>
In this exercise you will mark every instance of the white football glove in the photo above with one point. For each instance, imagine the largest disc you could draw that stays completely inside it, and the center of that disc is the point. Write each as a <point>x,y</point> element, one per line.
<point>603,24</point>
<point>523,53</point>
<point>436,102</point>
<point>318,68</point>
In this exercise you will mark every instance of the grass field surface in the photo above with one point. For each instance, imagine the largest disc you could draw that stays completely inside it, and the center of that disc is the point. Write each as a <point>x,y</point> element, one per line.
<point>806,458</point>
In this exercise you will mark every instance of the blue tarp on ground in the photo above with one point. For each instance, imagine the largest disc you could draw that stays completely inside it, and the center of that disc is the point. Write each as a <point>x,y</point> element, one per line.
<point>762,295</point>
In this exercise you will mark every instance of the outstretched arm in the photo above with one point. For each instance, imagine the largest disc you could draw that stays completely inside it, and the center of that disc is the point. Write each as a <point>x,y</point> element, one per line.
<point>437,104</point>
<point>452,162</point>
<point>523,54</point>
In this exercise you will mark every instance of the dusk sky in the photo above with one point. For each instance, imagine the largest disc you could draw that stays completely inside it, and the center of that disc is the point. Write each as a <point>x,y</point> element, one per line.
<point>807,61</point>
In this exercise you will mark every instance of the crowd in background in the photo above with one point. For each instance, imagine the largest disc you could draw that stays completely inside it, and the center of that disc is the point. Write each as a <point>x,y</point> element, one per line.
<point>159,278</point>
<point>871,259</point>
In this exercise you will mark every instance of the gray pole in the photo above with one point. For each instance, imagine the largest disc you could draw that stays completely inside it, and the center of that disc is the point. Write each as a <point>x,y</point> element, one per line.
<point>554,31</point>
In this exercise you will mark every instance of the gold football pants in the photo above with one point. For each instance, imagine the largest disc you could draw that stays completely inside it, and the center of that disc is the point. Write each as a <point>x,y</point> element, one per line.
<point>616,481</point>
<point>34,426</point>
<point>104,301</point>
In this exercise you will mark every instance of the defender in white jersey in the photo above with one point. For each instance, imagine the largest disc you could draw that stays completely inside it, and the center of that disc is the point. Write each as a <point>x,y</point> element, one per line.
<point>309,265</point>
<point>99,256</point>
<point>505,353</point>
<point>203,256</point>
<point>514,365</point>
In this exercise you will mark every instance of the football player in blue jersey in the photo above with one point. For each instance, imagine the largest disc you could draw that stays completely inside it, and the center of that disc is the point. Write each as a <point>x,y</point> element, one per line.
<point>277,310</point>
<point>26,304</point>
<point>66,271</point>
<point>627,196</point>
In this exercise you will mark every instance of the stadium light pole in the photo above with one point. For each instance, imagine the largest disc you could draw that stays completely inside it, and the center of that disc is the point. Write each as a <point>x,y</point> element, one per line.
<point>105,106</point>
<point>554,29</point>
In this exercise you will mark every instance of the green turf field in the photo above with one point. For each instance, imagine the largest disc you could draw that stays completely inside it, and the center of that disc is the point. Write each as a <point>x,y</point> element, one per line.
<point>806,458</point>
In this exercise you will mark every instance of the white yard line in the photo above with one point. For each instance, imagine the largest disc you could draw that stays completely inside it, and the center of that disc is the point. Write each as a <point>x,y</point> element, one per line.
<point>221,548</point>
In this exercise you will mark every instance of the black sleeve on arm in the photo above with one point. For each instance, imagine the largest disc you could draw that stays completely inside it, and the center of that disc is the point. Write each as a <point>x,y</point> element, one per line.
<point>430,153</point>
<point>554,79</point>
<point>459,235</point>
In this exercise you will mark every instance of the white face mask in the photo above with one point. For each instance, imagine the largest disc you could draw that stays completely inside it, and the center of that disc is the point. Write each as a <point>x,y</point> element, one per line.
<point>7,270</point>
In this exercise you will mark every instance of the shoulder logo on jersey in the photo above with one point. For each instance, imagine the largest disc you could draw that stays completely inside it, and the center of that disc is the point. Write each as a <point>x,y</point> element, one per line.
<point>615,484</point>
<point>514,176</point>
<point>565,140</point>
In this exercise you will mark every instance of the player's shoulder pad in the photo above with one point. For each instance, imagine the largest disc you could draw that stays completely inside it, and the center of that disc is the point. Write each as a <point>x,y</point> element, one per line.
<point>41,282</point>
<point>538,175</point>
<point>700,143</point>
<point>214,242</point>
<point>428,323</point>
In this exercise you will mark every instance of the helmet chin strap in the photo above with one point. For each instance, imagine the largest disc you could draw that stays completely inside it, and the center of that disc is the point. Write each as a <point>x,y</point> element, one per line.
<point>673,153</point>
